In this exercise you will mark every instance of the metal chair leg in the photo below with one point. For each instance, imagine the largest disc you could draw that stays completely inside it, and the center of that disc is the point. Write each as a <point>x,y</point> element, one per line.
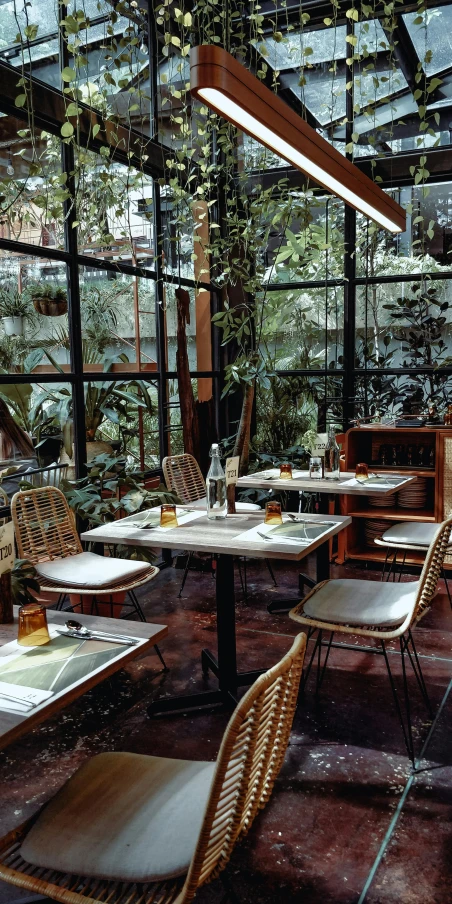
<point>269,566</point>
<point>416,666</point>
<point>447,586</point>
<point>137,606</point>
<point>165,667</point>
<point>306,673</point>
<point>385,563</point>
<point>402,565</point>
<point>407,733</point>
<point>184,578</point>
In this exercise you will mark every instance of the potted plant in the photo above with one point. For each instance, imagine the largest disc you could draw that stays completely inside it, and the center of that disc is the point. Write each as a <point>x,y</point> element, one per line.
<point>14,309</point>
<point>48,299</point>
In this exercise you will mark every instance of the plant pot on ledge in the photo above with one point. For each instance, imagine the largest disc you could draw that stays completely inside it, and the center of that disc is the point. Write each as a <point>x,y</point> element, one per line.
<point>13,326</point>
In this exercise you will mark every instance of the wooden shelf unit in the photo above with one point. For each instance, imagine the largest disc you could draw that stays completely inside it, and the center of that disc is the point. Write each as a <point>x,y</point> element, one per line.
<point>362,445</point>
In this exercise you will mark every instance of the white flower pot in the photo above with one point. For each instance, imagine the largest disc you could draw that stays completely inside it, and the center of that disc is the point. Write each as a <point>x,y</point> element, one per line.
<point>13,326</point>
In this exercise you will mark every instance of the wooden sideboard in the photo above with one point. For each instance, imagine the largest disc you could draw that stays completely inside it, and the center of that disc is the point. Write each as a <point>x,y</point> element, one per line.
<point>364,444</point>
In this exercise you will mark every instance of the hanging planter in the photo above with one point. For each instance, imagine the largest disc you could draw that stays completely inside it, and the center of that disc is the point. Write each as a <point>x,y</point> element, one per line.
<point>48,299</point>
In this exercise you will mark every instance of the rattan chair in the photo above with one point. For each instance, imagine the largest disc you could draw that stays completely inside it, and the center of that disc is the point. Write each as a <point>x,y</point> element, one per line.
<point>46,535</point>
<point>381,612</point>
<point>134,829</point>
<point>405,537</point>
<point>183,477</point>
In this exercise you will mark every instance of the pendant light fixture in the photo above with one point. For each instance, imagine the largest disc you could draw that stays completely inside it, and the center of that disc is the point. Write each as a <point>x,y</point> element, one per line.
<point>228,88</point>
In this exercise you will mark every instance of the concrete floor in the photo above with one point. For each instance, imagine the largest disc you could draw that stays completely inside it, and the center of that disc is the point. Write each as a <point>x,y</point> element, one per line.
<point>347,822</point>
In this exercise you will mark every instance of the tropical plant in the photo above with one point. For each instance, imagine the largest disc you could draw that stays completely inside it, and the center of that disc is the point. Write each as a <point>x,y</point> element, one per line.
<point>24,582</point>
<point>110,490</point>
<point>46,290</point>
<point>13,303</point>
<point>105,401</point>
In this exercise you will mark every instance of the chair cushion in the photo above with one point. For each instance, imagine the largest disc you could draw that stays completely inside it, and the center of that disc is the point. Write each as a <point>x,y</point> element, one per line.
<point>418,533</point>
<point>88,570</point>
<point>362,603</point>
<point>123,816</point>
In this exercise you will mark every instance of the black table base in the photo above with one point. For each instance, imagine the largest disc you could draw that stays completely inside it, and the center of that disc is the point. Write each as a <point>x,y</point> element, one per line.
<point>225,666</point>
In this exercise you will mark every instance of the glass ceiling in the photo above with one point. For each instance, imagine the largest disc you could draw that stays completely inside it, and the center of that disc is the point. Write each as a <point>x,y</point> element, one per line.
<point>382,96</point>
<point>434,33</point>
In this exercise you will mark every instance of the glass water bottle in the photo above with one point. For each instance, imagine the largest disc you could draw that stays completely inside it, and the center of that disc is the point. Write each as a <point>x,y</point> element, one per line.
<point>331,470</point>
<point>217,506</point>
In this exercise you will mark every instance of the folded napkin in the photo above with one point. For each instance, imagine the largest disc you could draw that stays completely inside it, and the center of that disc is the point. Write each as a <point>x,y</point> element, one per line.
<point>29,695</point>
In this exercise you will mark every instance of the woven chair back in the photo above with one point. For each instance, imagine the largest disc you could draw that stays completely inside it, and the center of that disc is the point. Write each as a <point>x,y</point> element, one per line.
<point>44,525</point>
<point>433,566</point>
<point>183,476</point>
<point>250,757</point>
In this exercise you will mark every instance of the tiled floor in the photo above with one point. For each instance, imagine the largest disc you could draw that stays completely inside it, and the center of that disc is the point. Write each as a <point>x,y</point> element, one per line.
<point>343,825</point>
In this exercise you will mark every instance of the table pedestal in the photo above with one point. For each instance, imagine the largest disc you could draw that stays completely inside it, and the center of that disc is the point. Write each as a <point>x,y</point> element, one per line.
<point>225,667</point>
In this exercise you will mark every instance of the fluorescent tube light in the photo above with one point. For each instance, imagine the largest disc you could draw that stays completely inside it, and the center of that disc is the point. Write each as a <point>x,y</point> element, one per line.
<point>232,91</point>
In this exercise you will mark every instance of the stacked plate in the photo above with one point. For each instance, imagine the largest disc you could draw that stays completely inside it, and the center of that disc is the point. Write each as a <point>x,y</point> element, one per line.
<point>388,501</point>
<point>374,529</point>
<point>414,496</point>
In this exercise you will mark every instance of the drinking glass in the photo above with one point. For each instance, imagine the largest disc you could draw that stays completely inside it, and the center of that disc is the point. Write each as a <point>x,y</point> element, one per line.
<point>285,471</point>
<point>316,468</point>
<point>33,631</point>
<point>273,513</point>
<point>362,472</point>
<point>168,517</point>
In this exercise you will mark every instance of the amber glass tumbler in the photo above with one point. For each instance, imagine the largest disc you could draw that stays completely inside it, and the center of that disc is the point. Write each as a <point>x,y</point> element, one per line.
<point>273,513</point>
<point>168,517</point>
<point>33,630</point>
<point>362,472</point>
<point>285,471</point>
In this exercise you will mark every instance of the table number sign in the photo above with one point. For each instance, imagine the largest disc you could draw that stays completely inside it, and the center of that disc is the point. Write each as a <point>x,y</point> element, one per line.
<point>6,566</point>
<point>232,470</point>
<point>318,448</point>
<point>232,475</point>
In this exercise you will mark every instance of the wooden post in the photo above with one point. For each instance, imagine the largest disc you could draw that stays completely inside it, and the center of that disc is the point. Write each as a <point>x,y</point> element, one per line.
<point>6,599</point>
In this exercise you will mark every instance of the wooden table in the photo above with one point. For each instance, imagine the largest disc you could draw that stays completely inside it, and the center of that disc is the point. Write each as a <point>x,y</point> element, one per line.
<point>220,538</point>
<point>12,726</point>
<point>304,483</point>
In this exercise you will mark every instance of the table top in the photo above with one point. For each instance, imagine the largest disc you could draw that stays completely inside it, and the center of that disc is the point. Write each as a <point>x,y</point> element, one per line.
<point>87,670</point>
<point>302,481</point>
<point>223,535</point>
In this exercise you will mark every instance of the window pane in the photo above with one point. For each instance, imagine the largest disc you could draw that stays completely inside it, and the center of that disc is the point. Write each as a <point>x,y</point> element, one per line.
<point>293,405</point>
<point>114,207</point>
<point>404,324</point>
<point>123,414</point>
<point>426,244</point>
<point>33,312</point>
<point>432,37</point>
<point>303,328</point>
<point>31,185</point>
<point>118,321</point>
<point>312,246</point>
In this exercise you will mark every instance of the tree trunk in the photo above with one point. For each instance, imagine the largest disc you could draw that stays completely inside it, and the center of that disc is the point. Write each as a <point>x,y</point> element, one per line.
<point>190,429</point>
<point>242,442</point>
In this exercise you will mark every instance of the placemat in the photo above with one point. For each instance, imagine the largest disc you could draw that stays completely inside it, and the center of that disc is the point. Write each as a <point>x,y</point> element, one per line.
<point>51,668</point>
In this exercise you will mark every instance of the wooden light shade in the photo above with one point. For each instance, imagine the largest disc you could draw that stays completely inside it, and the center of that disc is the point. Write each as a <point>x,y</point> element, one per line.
<point>228,88</point>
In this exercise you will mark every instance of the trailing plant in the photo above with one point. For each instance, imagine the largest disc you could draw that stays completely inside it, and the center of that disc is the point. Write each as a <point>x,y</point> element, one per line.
<point>24,582</point>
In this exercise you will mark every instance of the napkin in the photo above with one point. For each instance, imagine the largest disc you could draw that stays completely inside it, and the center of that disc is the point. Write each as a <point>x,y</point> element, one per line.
<point>29,695</point>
